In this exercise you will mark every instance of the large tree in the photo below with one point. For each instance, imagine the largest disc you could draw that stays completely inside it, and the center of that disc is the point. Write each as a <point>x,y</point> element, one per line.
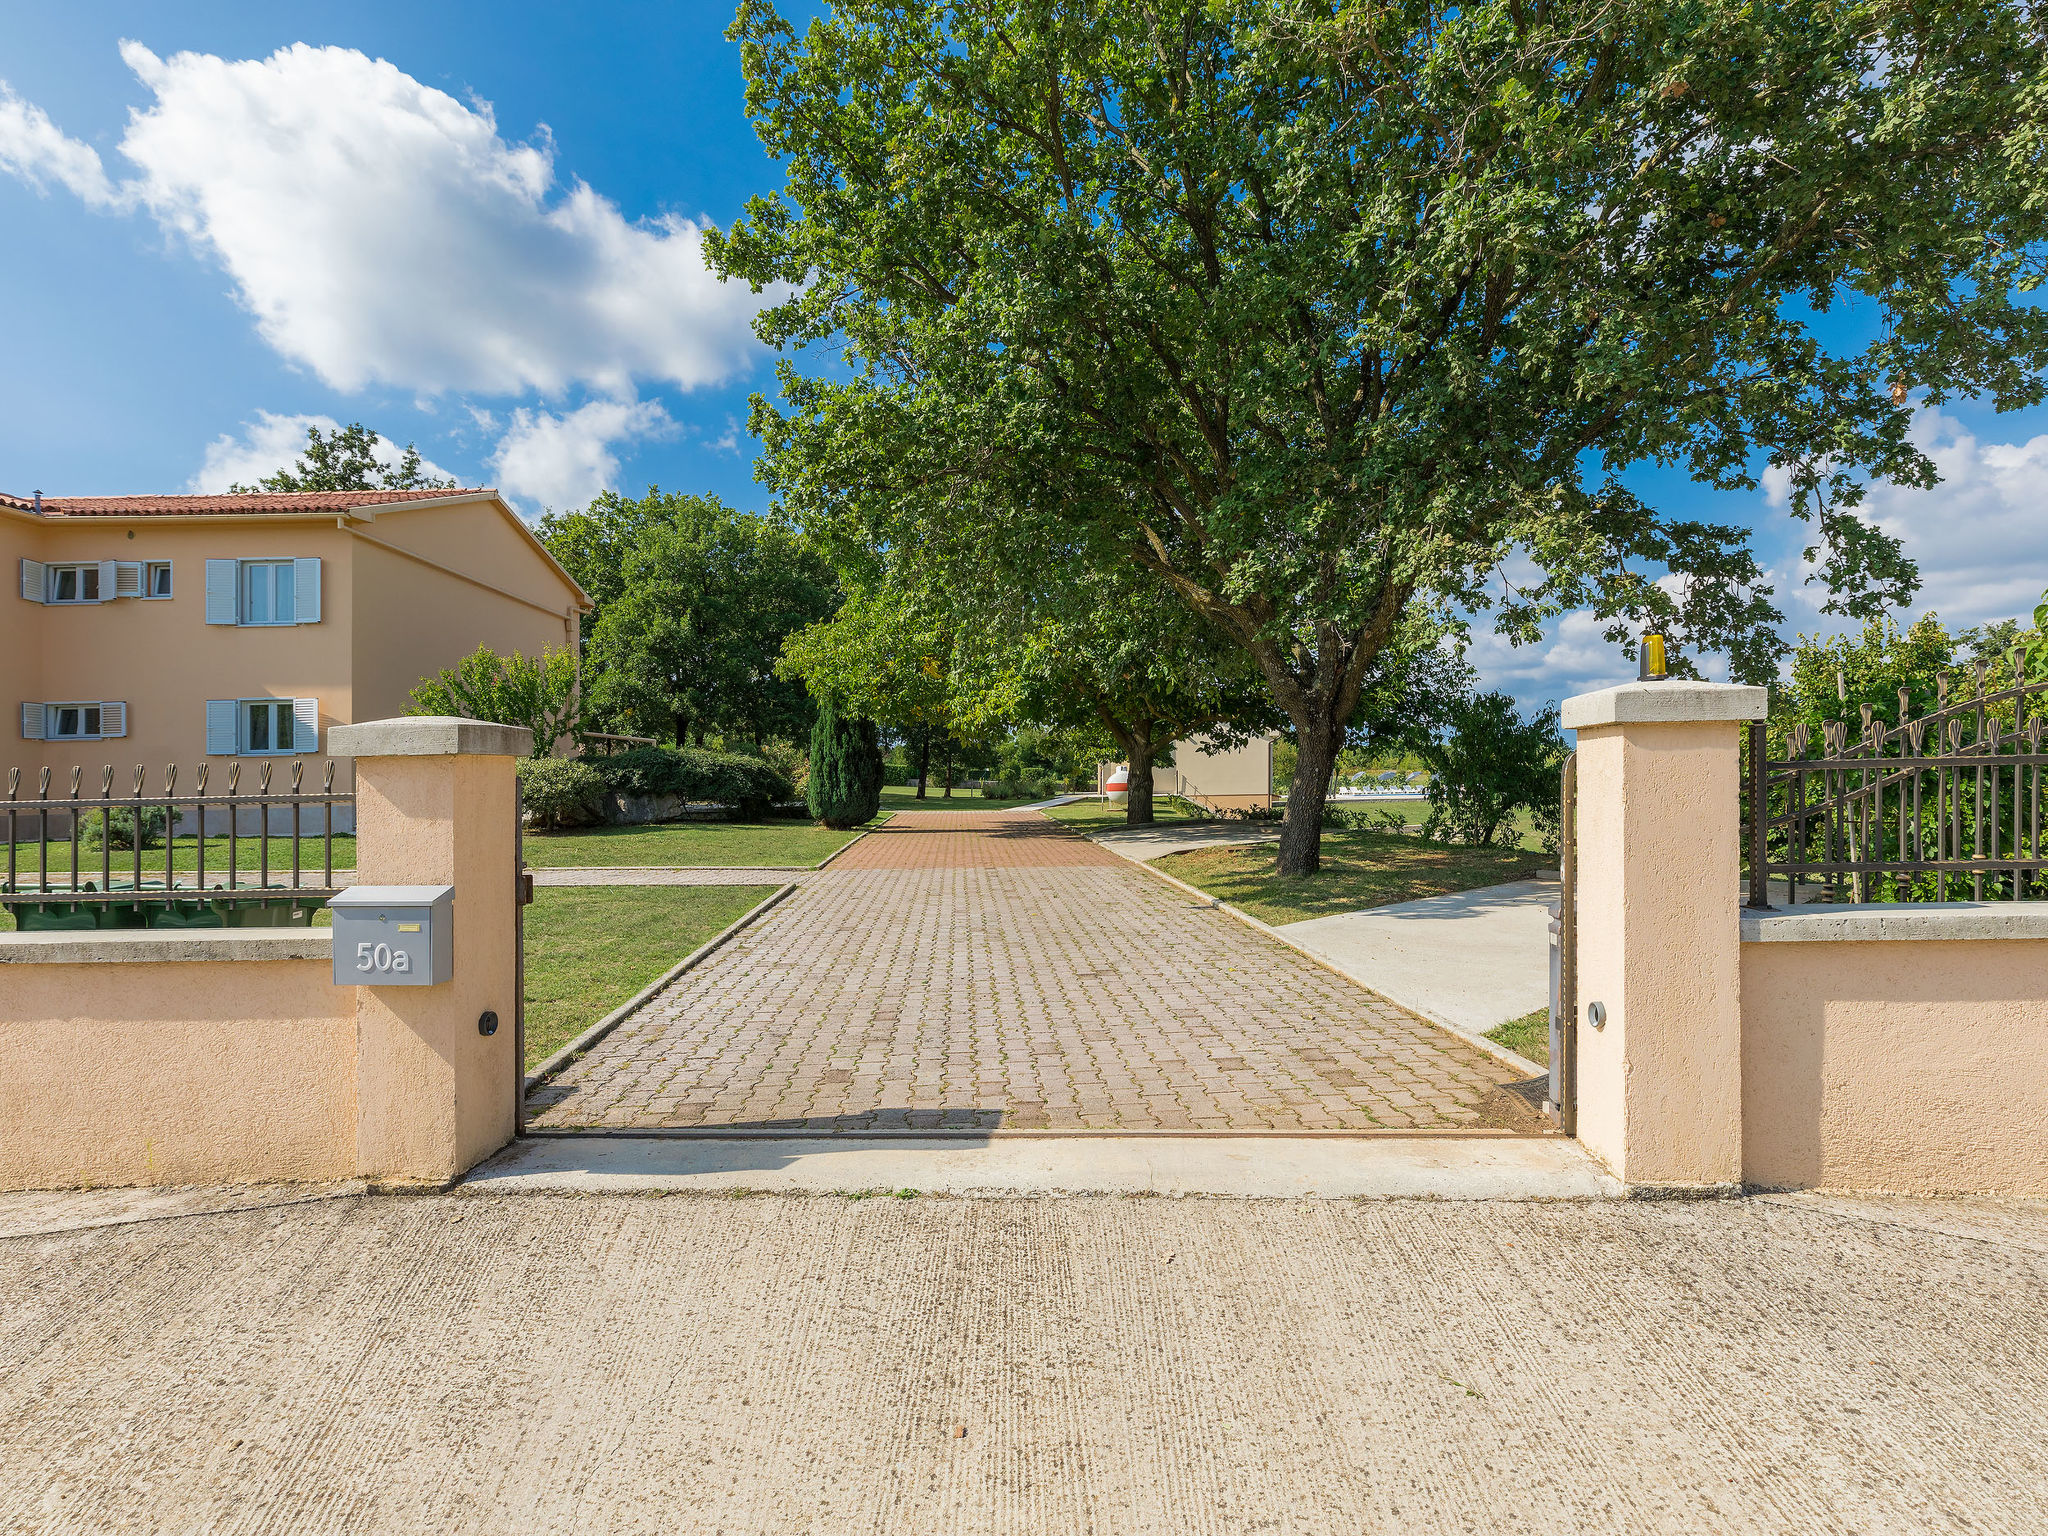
<point>1316,312</point>
<point>346,459</point>
<point>688,633</point>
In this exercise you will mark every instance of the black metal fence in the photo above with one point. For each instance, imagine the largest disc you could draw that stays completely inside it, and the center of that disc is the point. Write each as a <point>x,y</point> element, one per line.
<point>1935,808</point>
<point>198,860</point>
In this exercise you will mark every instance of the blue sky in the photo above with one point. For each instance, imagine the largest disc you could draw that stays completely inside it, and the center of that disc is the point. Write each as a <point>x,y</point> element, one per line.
<point>476,227</point>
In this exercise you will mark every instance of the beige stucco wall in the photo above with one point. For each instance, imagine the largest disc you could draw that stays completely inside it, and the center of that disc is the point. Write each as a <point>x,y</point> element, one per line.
<point>1912,1066</point>
<point>1659,1087</point>
<point>172,1073</point>
<point>1231,777</point>
<point>436,1095</point>
<point>386,622</point>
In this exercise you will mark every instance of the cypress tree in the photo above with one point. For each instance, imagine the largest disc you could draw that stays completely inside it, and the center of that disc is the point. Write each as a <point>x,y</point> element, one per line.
<point>846,769</point>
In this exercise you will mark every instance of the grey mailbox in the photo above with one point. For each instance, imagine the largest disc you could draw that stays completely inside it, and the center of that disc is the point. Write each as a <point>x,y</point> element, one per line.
<point>394,935</point>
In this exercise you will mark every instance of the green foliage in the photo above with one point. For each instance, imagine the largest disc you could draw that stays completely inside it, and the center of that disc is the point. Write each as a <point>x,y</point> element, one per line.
<point>346,460</point>
<point>1317,313</point>
<point>749,784</point>
<point>694,603</point>
<point>116,828</point>
<point>845,787</point>
<point>560,792</point>
<point>538,693</point>
<point>1487,764</point>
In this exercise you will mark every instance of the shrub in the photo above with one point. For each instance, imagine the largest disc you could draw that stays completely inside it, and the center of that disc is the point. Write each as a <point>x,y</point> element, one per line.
<point>748,784</point>
<point>538,693</point>
<point>845,788</point>
<point>1488,765</point>
<point>561,792</point>
<point>116,828</point>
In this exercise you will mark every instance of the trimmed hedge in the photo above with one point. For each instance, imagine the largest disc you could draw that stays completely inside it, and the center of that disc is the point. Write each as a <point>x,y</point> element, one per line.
<point>561,792</point>
<point>577,791</point>
<point>747,784</point>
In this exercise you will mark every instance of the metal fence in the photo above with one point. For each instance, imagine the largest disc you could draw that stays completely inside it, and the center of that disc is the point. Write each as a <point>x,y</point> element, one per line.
<point>139,860</point>
<point>1931,808</point>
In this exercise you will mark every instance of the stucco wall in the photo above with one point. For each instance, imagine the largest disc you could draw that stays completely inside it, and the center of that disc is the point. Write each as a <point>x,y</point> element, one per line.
<point>1232,777</point>
<point>411,621</point>
<point>160,656</point>
<point>173,1073</point>
<point>1913,1066</point>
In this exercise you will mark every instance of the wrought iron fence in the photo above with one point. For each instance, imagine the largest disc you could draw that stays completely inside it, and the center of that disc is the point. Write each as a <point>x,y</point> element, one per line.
<point>1925,809</point>
<point>139,860</point>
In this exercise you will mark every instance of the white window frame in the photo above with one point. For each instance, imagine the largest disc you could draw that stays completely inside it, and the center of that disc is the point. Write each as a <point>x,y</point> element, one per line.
<point>52,574</point>
<point>53,714</point>
<point>278,710</point>
<point>149,570</point>
<point>243,574</point>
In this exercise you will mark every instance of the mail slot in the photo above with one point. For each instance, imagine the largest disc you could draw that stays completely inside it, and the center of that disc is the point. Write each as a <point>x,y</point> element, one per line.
<point>394,935</point>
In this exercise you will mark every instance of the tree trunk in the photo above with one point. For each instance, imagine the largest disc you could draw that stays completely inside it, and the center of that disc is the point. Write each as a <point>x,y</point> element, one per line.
<point>1138,799</point>
<point>1301,835</point>
<point>949,767</point>
<point>682,730</point>
<point>924,759</point>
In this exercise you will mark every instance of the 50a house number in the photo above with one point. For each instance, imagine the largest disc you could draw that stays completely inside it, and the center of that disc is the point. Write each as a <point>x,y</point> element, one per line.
<point>382,957</point>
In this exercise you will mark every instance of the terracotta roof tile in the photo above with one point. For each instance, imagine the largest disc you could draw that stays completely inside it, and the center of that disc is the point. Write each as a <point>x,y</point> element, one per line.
<point>203,506</point>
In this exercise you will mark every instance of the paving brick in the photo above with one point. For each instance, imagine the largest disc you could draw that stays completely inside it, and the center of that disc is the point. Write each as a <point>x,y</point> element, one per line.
<point>984,969</point>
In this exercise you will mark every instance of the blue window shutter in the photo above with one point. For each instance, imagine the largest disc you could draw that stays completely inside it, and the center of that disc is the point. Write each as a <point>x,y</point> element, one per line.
<point>222,600</point>
<point>306,589</point>
<point>31,722</point>
<point>32,581</point>
<point>306,723</point>
<point>222,740</point>
<point>113,718</point>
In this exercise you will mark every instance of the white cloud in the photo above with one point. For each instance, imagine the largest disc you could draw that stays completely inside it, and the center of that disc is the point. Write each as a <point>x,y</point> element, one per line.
<point>38,152</point>
<point>546,460</point>
<point>270,443</point>
<point>381,231</point>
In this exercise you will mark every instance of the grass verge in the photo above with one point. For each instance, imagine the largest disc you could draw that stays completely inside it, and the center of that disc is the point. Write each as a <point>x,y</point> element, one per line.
<point>1093,816</point>
<point>184,858</point>
<point>1527,1036</point>
<point>588,950</point>
<point>903,797</point>
<point>725,844</point>
<point>1360,870</point>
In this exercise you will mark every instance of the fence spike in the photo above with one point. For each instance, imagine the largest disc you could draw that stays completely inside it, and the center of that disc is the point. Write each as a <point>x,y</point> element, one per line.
<point>43,785</point>
<point>77,773</point>
<point>170,780</point>
<point>327,778</point>
<point>141,773</point>
<point>13,782</point>
<point>298,772</point>
<point>234,776</point>
<point>199,786</point>
<point>263,779</point>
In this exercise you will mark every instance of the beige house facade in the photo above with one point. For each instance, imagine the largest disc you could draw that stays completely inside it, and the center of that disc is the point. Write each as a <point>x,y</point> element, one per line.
<point>1219,777</point>
<point>177,630</point>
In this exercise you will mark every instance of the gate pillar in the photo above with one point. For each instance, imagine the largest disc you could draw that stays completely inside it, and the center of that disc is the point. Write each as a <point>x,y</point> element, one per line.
<point>1658,929</point>
<point>437,804</point>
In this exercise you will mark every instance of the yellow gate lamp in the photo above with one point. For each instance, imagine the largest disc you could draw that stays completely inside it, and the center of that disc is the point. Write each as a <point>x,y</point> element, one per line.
<point>1653,668</point>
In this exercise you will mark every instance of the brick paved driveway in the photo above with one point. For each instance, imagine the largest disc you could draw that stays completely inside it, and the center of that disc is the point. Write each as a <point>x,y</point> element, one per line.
<point>992,969</point>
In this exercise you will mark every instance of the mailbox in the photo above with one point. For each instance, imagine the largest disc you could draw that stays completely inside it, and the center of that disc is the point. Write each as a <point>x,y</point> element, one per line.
<point>394,935</point>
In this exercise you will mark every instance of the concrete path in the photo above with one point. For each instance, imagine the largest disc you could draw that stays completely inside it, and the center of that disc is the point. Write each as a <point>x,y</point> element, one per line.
<point>1460,1167</point>
<point>1469,961</point>
<point>1167,837</point>
<point>815,1366</point>
<point>992,969</point>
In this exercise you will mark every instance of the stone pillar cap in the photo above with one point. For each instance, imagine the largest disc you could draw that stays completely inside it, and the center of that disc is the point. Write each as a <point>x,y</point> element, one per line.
<point>1674,701</point>
<point>429,736</point>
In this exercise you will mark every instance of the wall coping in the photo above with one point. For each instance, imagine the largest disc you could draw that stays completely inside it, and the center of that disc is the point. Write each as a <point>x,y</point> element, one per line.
<point>429,736</point>
<point>1674,701</point>
<point>156,945</point>
<point>1885,920</point>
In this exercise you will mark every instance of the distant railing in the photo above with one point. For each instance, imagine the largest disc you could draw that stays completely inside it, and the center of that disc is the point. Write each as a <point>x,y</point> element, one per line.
<point>153,852</point>
<point>1917,811</point>
<point>608,743</point>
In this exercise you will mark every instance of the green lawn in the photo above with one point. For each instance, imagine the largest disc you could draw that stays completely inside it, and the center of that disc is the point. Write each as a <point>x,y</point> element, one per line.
<point>1360,869</point>
<point>724,843</point>
<point>903,797</point>
<point>185,857</point>
<point>1527,1036</point>
<point>589,950</point>
<point>1094,816</point>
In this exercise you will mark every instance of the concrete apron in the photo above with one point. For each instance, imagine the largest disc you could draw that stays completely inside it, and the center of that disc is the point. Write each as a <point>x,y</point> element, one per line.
<point>1444,1167</point>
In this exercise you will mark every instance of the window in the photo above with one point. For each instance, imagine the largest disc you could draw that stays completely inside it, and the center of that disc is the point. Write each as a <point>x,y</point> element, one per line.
<point>267,592</point>
<point>74,584</point>
<point>156,579</point>
<point>267,724</point>
<point>72,722</point>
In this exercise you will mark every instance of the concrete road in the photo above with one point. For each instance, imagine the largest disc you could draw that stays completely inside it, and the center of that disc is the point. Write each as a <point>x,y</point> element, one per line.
<point>796,1364</point>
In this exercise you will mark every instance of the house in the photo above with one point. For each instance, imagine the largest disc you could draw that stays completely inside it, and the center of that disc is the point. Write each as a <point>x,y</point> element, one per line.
<point>175,630</point>
<point>1217,778</point>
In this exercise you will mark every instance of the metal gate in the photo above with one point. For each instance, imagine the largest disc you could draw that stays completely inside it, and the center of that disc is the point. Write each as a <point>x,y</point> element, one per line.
<point>1563,1100</point>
